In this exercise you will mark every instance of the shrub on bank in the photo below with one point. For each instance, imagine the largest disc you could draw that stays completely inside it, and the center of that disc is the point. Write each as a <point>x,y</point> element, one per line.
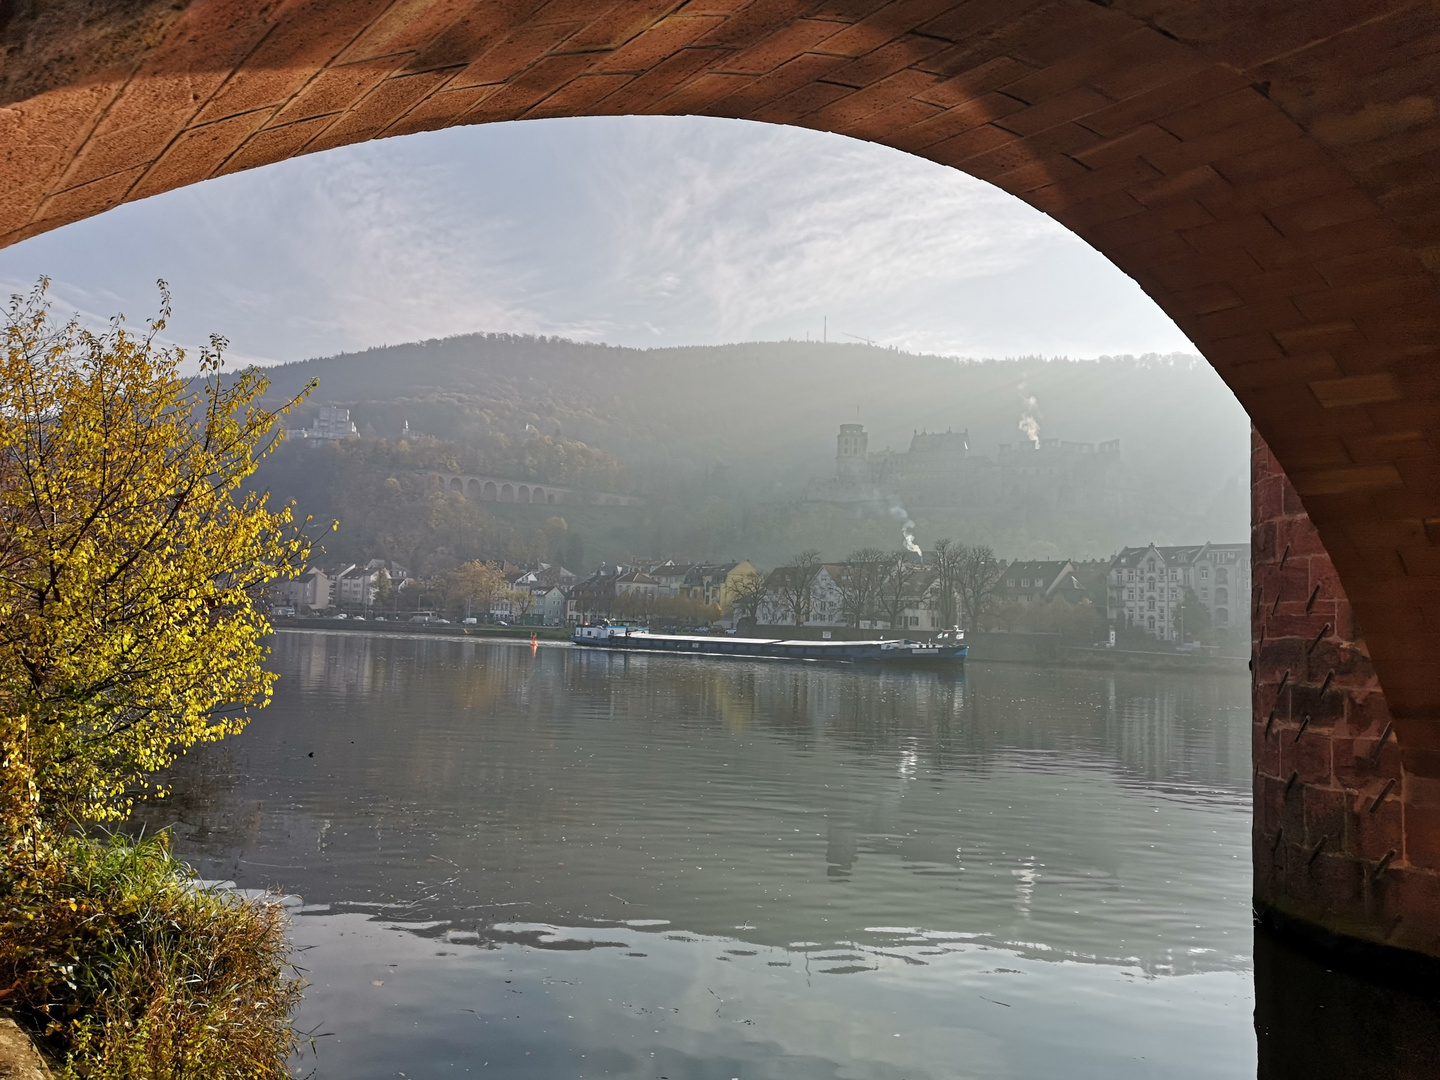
<point>131,554</point>
<point>128,968</point>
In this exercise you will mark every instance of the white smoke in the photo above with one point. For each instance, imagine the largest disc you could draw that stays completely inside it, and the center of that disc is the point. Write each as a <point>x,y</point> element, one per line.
<point>907,529</point>
<point>1030,416</point>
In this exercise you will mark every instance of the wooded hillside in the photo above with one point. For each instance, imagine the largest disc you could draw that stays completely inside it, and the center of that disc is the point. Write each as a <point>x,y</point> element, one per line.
<point>746,425</point>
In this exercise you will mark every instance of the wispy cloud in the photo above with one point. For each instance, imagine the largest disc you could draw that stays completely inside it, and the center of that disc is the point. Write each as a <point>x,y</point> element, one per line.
<point>637,230</point>
<point>749,226</point>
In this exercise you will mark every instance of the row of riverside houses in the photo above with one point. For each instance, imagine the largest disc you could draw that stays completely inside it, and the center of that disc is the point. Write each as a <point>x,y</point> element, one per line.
<point>346,585</point>
<point>1142,588</point>
<point>645,586</point>
<point>913,606</point>
<point>548,586</point>
<point>536,594</point>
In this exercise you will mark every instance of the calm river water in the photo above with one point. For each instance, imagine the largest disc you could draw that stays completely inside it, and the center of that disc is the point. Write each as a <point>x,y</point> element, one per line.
<point>580,864</point>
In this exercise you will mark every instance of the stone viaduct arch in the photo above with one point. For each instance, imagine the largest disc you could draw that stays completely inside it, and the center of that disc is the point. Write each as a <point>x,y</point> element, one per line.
<point>495,489</point>
<point>1266,172</point>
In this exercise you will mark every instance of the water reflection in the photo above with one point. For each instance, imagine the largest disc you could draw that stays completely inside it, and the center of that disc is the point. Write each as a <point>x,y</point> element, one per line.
<point>886,873</point>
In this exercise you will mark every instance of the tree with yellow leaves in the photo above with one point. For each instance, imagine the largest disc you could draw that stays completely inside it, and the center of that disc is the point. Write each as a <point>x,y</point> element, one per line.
<point>476,584</point>
<point>129,554</point>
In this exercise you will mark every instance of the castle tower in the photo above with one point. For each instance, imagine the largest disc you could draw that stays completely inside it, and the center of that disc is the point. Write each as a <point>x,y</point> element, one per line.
<point>850,454</point>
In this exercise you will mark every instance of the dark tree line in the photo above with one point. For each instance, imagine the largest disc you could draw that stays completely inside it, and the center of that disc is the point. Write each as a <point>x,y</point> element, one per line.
<point>967,576</point>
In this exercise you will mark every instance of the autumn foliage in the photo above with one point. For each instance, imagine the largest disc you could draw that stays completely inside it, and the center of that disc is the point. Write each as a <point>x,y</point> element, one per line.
<point>127,555</point>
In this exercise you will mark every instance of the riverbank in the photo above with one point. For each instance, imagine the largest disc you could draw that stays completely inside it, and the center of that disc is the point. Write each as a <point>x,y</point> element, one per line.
<point>401,626</point>
<point>123,965</point>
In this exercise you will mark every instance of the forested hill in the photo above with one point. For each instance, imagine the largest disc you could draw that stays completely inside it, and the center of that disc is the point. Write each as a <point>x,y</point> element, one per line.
<point>768,411</point>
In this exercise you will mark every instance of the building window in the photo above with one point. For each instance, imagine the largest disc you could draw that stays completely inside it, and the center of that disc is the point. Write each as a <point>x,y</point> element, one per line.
<point>1222,596</point>
<point>1204,573</point>
<point>1222,576</point>
<point>1024,583</point>
<point>1222,615</point>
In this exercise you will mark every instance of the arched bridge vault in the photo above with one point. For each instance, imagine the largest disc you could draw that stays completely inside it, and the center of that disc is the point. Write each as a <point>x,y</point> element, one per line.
<point>1265,171</point>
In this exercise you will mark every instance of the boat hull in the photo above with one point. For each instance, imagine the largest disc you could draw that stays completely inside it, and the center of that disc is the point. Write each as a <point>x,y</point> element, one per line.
<point>887,652</point>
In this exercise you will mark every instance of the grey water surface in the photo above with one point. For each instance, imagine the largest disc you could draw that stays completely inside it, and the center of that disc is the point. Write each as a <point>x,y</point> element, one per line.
<point>583,864</point>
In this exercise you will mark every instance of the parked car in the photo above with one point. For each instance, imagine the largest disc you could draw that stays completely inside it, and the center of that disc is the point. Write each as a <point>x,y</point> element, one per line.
<point>470,621</point>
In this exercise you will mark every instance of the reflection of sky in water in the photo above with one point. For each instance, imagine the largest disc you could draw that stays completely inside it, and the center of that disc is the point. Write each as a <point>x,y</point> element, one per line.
<point>623,1001</point>
<point>828,873</point>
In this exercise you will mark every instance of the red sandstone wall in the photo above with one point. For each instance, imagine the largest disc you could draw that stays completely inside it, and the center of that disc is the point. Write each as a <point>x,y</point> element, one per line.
<point>1346,834</point>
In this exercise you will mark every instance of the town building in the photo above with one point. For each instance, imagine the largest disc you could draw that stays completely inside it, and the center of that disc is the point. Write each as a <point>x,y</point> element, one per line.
<point>825,600</point>
<point>547,584</point>
<point>591,599</point>
<point>832,599</point>
<point>925,611</point>
<point>308,592</point>
<point>638,585</point>
<point>1147,585</point>
<point>710,583</point>
<point>356,586</point>
<point>547,575</point>
<point>669,577</point>
<point>550,605</point>
<point>1033,582</point>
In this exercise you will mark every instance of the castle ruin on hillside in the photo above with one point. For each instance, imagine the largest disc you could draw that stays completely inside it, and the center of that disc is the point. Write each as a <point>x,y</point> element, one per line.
<point>938,472</point>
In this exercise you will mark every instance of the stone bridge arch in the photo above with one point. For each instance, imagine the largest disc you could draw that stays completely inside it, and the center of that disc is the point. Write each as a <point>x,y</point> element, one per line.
<point>1266,172</point>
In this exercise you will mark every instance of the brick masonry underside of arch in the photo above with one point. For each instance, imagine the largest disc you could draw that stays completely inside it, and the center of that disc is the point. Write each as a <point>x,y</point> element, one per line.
<point>1266,172</point>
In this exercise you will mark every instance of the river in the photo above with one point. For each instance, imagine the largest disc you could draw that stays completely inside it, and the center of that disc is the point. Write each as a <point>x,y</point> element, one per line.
<point>583,864</point>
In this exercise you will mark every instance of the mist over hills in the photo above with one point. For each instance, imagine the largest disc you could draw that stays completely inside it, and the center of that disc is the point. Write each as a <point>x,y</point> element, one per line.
<point>748,424</point>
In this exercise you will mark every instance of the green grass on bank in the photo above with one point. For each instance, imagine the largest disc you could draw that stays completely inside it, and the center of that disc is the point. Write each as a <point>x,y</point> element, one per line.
<point>126,968</point>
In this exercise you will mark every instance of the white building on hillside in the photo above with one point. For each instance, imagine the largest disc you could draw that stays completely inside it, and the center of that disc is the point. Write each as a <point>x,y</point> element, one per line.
<point>331,422</point>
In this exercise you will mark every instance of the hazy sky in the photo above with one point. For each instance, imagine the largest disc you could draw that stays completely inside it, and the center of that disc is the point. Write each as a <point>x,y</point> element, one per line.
<point>634,230</point>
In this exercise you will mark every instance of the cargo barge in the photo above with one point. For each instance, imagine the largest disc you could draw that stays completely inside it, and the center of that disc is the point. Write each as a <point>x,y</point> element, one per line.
<point>950,651</point>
